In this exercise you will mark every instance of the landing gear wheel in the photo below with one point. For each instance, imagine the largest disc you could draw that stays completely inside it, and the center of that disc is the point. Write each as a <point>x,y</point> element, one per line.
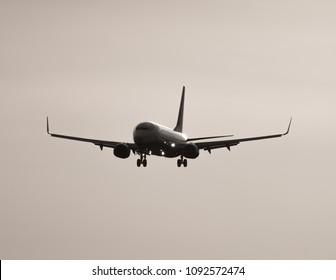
<point>182,161</point>
<point>138,162</point>
<point>142,160</point>
<point>185,162</point>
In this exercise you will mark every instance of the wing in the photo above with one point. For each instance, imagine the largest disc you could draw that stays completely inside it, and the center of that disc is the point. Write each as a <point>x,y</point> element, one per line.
<point>100,143</point>
<point>207,137</point>
<point>208,146</point>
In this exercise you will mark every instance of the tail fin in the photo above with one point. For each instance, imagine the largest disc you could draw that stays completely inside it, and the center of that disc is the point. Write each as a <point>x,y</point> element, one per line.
<point>179,124</point>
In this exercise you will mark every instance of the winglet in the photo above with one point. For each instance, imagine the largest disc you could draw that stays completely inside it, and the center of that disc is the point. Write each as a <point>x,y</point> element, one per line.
<point>48,126</point>
<point>290,122</point>
<point>179,124</point>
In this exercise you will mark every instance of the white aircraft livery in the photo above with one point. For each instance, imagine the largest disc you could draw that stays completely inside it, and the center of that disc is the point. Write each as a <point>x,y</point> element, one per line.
<point>154,139</point>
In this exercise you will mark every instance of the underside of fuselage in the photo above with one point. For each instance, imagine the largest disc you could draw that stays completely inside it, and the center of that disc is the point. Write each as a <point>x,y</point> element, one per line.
<point>161,150</point>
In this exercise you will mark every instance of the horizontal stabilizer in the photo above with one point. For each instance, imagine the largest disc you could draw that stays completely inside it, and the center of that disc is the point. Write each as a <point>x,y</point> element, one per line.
<point>208,137</point>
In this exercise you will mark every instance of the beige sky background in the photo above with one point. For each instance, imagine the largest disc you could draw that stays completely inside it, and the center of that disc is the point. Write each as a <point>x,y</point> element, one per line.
<point>97,68</point>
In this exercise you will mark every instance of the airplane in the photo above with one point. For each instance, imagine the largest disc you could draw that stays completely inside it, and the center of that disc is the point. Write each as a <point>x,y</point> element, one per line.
<point>151,138</point>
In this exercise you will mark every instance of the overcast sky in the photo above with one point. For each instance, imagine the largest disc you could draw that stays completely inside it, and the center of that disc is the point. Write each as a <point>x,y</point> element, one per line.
<point>97,68</point>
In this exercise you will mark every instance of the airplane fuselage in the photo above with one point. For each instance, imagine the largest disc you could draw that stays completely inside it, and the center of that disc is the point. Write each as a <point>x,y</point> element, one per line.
<point>155,139</point>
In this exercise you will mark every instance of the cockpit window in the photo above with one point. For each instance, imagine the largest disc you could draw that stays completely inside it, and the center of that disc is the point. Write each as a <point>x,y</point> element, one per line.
<point>143,127</point>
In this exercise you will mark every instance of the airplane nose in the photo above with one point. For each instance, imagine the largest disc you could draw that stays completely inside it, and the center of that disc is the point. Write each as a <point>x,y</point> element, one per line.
<point>144,133</point>
<point>143,137</point>
<point>139,136</point>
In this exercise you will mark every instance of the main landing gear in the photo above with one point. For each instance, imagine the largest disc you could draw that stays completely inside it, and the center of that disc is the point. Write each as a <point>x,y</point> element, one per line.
<point>142,160</point>
<point>182,161</point>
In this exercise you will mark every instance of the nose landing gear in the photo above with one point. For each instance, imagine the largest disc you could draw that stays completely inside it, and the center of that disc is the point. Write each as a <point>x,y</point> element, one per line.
<point>182,161</point>
<point>142,160</point>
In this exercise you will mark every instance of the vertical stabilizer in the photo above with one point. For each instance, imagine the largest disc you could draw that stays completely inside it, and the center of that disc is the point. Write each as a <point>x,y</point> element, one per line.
<point>179,124</point>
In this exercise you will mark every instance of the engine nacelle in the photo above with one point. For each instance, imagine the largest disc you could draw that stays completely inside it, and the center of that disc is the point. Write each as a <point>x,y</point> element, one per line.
<point>190,151</point>
<point>122,151</point>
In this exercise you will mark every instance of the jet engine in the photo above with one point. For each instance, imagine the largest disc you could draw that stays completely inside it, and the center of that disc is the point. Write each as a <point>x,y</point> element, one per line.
<point>190,151</point>
<point>122,150</point>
